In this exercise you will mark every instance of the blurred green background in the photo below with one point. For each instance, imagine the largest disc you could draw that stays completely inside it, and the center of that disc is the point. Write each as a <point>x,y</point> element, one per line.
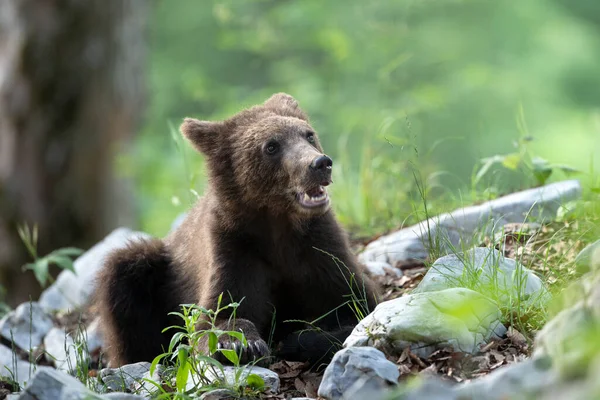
<point>406,95</point>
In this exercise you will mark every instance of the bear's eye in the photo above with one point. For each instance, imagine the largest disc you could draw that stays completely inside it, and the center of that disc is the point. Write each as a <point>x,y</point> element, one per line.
<point>310,137</point>
<point>271,148</point>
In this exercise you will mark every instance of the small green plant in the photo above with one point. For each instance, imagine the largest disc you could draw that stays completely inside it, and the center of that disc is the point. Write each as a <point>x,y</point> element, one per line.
<point>536,169</point>
<point>40,265</point>
<point>185,362</point>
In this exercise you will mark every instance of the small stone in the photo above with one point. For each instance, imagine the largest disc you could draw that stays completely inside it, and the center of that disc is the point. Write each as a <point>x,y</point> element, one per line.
<point>145,388</point>
<point>124,378</point>
<point>92,336</point>
<point>61,350</point>
<point>230,374</point>
<point>219,394</point>
<point>12,367</point>
<point>49,383</point>
<point>26,326</point>
<point>527,379</point>
<point>456,317</point>
<point>356,371</point>
<point>122,396</point>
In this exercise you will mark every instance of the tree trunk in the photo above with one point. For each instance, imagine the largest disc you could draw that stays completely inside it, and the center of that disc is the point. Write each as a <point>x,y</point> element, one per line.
<point>71,96</point>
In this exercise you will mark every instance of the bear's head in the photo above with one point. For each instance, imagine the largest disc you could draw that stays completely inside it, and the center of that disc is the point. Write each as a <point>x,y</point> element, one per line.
<point>267,158</point>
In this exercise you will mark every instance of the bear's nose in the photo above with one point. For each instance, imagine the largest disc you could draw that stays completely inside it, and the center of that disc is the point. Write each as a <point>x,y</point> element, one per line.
<point>321,163</point>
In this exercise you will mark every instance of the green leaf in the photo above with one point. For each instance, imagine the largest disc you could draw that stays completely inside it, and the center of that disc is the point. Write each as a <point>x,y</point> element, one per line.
<point>183,373</point>
<point>155,362</point>
<point>212,342</point>
<point>40,270</point>
<point>231,356</point>
<point>511,161</point>
<point>64,262</point>
<point>238,335</point>
<point>255,382</point>
<point>182,354</point>
<point>209,360</point>
<point>175,340</point>
<point>68,251</point>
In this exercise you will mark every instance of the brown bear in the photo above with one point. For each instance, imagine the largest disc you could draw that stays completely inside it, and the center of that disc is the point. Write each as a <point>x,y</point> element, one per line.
<point>263,233</point>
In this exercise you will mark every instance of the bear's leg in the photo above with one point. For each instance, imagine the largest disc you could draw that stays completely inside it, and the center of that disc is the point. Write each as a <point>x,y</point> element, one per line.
<point>136,291</point>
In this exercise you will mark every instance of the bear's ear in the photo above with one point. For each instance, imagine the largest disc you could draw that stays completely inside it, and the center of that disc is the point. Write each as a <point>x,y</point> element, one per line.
<point>284,104</point>
<point>204,135</point>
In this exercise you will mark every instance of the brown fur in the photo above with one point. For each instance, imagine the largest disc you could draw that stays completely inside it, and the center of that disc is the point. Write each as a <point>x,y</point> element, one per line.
<point>249,238</point>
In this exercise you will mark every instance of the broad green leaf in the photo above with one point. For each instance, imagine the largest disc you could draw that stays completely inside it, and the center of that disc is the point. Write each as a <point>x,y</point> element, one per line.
<point>255,382</point>
<point>183,372</point>
<point>238,335</point>
<point>64,262</point>
<point>231,356</point>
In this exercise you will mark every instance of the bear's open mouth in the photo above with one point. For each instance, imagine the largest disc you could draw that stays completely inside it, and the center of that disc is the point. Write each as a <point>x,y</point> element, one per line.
<point>314,197</point>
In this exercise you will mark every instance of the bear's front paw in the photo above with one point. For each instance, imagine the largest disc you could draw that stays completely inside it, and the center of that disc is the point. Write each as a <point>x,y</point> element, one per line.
<point>255,350</point>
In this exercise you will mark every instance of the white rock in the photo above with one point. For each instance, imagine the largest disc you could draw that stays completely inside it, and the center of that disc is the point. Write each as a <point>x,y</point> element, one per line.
<point>566,338</point>
<point>93,336</point>
<point>380,268</point>
<point>589,258</point>
<point>124,378</point>
<point>62,351</point>
<point>455,317</point>
<point>487,271</point>
<point>527,379</point>
<point>12,367</point>
<point>74,290</point>
<point>457,229</point>
<point>219,394</point>
<point>232,376</point>
<point>357,370</point>
<point>229,375</point>
<point>26,326</point>
<point>145,388</point>
<point>49,383</point>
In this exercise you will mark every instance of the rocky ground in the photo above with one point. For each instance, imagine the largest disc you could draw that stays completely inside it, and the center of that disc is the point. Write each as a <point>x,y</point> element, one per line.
<point>466,295</point>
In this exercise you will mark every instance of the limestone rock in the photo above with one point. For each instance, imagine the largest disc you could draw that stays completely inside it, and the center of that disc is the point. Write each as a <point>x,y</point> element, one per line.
<point>380,268</point>
<point>61,349</point>
<point>589,258</point>
<point>457,229</point>
<point>74,290</point>
<point>528,379</point>
<point>13,367</point>
<point>486,271</point>
<point>456,317</point>
<point>26,326</point>
<point>270,378</point>
<point>124,378</point>
<point>357,370</point>
<point>48,383</point>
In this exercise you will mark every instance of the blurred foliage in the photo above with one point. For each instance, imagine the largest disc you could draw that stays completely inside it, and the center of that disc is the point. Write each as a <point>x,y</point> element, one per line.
<point>407,95</point>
